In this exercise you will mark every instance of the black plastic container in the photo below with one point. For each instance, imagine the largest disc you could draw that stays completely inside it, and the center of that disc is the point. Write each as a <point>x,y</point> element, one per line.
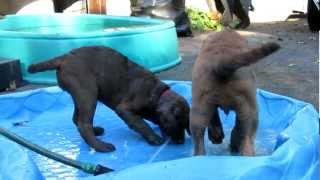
<point>10,74</point>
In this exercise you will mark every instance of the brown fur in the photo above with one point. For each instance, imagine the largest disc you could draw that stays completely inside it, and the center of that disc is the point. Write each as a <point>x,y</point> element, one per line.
<point>98,73</point>
<point>217,81</point>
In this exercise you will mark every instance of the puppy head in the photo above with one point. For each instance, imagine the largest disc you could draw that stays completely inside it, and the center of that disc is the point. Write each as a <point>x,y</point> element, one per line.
<point>173,115</point>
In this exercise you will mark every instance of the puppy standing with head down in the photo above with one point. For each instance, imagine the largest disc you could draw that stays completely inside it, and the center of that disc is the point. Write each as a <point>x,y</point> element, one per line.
<point>98,73</point>
<point>219,79</point>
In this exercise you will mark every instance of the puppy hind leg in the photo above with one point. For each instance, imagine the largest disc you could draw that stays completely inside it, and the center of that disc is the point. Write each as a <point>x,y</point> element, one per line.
<point>98,131</point>
<point>84,95</point>
<point>215,130</point>
<point>244,133</point>
<point>198,123</point>
<point>85,126</point>
<point>198,140</point>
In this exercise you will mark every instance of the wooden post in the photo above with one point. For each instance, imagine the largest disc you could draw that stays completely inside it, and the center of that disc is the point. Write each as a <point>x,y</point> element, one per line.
<point>96,6</point>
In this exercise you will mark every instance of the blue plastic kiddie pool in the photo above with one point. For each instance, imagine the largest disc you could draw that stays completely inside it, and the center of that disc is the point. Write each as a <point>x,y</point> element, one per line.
<point>287,143</point>
<point>151,43</point>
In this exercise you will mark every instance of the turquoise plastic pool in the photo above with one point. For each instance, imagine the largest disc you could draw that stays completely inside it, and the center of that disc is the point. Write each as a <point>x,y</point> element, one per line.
<point>151,43</point>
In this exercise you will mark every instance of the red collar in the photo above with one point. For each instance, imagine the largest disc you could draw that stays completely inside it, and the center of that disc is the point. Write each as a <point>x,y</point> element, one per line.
<point>166,92</point>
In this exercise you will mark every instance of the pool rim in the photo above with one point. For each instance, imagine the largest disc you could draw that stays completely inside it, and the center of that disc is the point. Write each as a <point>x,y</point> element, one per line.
<point>155,25</point>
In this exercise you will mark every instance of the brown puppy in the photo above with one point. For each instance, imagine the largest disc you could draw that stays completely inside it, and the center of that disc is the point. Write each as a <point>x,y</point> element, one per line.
<point>98,73</point>
<point>217,81</point>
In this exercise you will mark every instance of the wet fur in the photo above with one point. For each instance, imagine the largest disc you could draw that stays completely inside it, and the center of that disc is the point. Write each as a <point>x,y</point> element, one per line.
<point>97,73</point>
<point>219,81</point>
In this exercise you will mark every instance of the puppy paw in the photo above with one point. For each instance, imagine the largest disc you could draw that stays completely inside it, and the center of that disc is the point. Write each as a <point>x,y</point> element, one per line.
<point>98,131</point>
<point>199,152</point>
<point>247,148</point>
<point>244,151</point>
<point>247,151</point>
<point>215,135</point>
<point>104,147</point>
<point>155,140</point>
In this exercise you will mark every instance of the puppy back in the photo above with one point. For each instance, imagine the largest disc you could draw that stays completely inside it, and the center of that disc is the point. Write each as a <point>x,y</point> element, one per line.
<point>227,51</point>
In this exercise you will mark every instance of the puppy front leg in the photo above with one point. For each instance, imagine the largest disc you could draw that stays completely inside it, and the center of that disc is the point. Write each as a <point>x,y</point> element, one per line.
<point>136,123</point>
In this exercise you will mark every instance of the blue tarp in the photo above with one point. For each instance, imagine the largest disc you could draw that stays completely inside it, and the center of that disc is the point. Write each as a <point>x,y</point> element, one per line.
<point>287,143</point>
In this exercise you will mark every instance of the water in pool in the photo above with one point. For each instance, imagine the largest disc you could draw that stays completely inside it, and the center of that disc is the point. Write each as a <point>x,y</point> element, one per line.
<point>265,143</point>
<point>62,137</point>
<point>80,28</point>
<point>54,130</point>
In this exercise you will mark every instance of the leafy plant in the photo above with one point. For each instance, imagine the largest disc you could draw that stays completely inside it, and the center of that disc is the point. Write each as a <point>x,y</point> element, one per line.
<point>203,21</point>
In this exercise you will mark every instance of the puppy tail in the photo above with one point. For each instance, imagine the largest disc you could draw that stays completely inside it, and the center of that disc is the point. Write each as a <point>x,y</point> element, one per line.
<point>47,65</point>
<point>228,66</point>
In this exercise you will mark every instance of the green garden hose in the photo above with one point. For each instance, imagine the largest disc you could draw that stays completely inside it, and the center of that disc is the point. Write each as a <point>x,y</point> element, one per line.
<point>86,167</point>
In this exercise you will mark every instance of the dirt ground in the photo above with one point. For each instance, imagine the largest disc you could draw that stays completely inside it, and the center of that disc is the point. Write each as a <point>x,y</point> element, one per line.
<point>292,71</point>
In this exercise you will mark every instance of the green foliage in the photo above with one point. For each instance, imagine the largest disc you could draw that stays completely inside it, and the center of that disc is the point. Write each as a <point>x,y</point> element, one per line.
<point>202,21</point>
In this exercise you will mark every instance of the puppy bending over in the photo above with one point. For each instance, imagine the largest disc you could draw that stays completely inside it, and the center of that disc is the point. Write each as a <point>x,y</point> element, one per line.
<point>219,81</point>
<point>98,73</point>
